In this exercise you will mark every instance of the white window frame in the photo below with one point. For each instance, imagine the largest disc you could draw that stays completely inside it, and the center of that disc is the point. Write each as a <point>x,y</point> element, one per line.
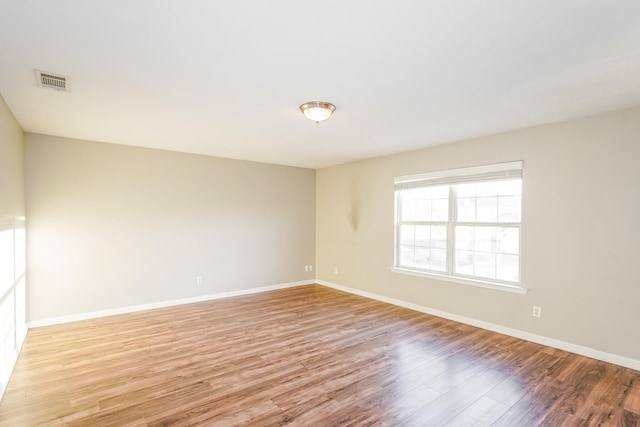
<point>452,177</point>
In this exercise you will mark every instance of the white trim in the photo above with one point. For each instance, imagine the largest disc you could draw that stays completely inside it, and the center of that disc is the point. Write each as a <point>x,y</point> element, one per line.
<point>478,283</point>
<point>551,342</point>
<point>496,167</point>
<point>616,359</point>
<point>161,304</point>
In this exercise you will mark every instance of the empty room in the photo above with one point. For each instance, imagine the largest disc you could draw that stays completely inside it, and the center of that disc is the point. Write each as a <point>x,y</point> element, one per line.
<point>244,213</point>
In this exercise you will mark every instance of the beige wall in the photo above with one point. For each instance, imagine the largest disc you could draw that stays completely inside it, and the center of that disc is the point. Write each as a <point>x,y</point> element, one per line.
<point>112,226</point>
<point>580,232</point>
<point>12,242</point>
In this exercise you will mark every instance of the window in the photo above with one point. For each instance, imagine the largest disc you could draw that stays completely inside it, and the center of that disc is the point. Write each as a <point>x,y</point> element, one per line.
<point>462,224</point>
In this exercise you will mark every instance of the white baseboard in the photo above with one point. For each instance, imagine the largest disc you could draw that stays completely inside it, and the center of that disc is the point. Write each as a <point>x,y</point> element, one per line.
<point>551,342</point>
<point>161,304</point>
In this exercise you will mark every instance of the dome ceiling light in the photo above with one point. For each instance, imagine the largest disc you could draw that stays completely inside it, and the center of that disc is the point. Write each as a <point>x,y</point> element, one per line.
<point>317,111</point>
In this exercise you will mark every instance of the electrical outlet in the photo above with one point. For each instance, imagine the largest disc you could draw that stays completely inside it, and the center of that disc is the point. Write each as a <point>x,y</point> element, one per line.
<point>311,268</point>
<point>199,280</point>
<point>335,270</point>
<point>537,311</point>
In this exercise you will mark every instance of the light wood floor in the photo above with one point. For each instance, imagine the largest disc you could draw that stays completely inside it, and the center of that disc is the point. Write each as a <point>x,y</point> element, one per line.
<point>306,356</point>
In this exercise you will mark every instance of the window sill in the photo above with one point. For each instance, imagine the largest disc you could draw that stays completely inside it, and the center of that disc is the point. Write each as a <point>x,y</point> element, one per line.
<point>477,283</point>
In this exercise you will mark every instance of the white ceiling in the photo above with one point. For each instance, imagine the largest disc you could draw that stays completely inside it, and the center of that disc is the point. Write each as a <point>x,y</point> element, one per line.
<point>225,77</point>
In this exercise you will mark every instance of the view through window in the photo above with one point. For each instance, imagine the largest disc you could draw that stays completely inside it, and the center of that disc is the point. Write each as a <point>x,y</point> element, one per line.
<point>463,223</point>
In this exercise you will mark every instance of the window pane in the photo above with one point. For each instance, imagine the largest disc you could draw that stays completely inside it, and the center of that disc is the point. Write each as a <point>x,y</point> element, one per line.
<point>485,265</point>
<point>465,238</point>
<point>489,188</point>
<point>423,235</point>
<point>426,193</point>
<point>406,256</point>
<point>440,210</point>
<point>466,209</point>
<point>508,268</point>
<point>510,188</point>
<point>407,234</point>
<point>466,190</point>
<point>439,236</point>
<point>509,209</point>
<point>437,192</point>
<point>423,210</point>
<point>486,239</point>
<point>438,260</point>
<point>408,210</point>
<point>425,204</point>
<point>464,262</point>
<point>509,240</point>
<point>422,258</point>
<point>487,209</point>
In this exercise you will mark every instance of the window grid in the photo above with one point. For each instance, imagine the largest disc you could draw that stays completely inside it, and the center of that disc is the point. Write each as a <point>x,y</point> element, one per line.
<point>452,251</point>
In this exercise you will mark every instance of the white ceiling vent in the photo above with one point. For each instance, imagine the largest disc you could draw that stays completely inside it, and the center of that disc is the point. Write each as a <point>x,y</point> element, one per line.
<point>53,81</point>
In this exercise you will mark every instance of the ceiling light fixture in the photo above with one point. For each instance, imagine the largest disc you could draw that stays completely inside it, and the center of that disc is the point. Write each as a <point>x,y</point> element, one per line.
<point>317,111</point>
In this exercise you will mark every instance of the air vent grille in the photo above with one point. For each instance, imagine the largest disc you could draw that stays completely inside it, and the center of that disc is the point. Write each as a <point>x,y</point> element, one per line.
<point>53,81</point>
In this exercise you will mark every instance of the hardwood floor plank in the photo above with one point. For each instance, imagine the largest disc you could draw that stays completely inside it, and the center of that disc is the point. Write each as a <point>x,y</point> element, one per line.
<point>483,412</point>
<point>532,409</point>
<point>631,399</point>
<point>456,400</point>
<point>509,391</point>
<point>305,356</point>
<point>630,418</point>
